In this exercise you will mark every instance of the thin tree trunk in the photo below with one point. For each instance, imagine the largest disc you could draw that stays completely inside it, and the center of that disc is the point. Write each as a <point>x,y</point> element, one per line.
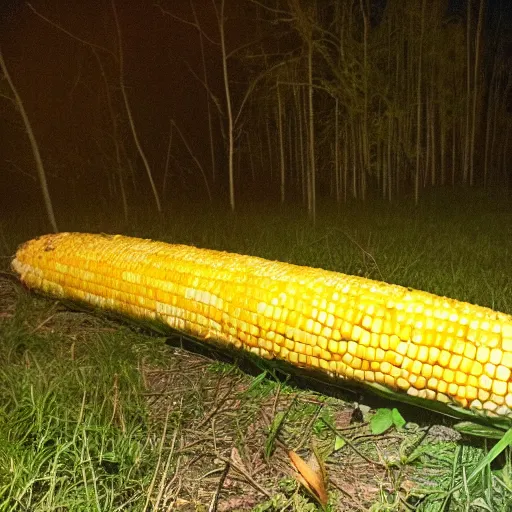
<point>207,87</point>
<point>467,146</point>
<point>129,111</point>
<point>35,148</point>
<point>311,120</point>
<point>228,108</point>
<point>281,140</point>
<point>418,112</point>
<point>475,90</point>
<point>115,135</point>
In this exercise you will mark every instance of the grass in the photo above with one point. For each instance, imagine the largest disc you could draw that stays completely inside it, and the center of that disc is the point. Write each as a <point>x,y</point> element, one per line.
<point>98,415</point>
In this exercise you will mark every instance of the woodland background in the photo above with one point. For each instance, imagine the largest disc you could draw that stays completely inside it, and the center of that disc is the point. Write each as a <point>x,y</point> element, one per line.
<point>272,101</point>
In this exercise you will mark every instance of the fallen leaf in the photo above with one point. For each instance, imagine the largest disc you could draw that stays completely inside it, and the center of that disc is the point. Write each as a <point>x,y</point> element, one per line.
<point>312,478</point>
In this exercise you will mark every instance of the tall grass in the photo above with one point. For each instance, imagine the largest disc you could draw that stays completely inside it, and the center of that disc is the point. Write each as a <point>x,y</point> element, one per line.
<point>77,431</point>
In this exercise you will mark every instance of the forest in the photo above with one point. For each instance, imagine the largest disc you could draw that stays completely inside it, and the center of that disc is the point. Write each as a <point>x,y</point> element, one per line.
<point>287,102</point>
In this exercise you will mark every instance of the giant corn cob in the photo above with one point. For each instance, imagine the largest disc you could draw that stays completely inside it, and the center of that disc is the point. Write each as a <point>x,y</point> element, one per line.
<point>409,342</point>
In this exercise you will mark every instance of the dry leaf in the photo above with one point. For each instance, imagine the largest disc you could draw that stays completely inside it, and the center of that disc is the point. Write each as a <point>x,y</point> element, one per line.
<point>312,478</point>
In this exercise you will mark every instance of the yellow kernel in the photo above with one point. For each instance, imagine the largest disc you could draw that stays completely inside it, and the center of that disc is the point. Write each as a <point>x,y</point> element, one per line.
<point>433,354</point>
<point>442,386</point>
<point>367,322</point>
<point>483,354</point>
<point>365,338</point>
<point>465,365</point>
<point>470,351</point>
<point>333,346</point>
<point>448,375</point>
<point>490,370</point>
<point>389,381</point>
<point>385,367</point>
<point>490,406</point>
<point>356,363</point>
<point>426,371</point>
<point>485,382</point>
<point>452,389</point>
<point>404,331</point>
<point>507,359</point>
<point>326,332</point>
<point>407,364</point>
<point>444,357</point>
<point>352,347</point>
<point>325,355</point>
<point>361,351</point>
<point>347,358</point>
<point>416,368</point>
<point>402,383</point>
<point>346,330</point>
<point>460,377</point>
<point>459,347</point>
<point>359,375</point>
<point>506,330</point>
<point>472,380</point>
<point>477,368</point>
<point>423,353</point>
<point>412,351</point>
<point>503,373</point>
<point>437,371</point>
<point>356,332</point>
<point>293,357</point>
<point>314,362</point>
<point>300,347</point>
<point>375,340</point>
<point>496,356</point>
<point>377,325</point>
<point>455,362</point>
<point>497,399</point>
<point>394,340</point>
<point>420,382</point>
<point>384,342</point>
<point>380,354</point>
<point>402,348</point>
<point>499,387</point>
<point>483,395</point>
<point>432,383</point>
<point>395,372</point>
<point>369,376</point>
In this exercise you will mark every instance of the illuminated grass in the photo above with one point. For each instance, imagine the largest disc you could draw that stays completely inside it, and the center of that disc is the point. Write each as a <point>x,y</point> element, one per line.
<point>98,416</point>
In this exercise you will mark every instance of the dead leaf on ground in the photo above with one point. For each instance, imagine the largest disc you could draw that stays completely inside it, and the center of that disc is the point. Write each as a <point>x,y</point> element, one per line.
<point>311,476</point>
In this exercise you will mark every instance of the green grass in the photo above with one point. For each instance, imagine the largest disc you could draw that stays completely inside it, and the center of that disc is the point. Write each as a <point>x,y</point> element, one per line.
<point>96,415</point>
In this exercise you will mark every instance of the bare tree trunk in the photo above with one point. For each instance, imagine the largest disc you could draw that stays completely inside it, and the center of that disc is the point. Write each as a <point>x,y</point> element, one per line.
<point>129,111</point>
<point>115,135</point>
<point>35,148</point>
<point>467,146</point>
<point>475,90</point>
<point>281,140</point>
<point>311,120</point>
<point>337,174</point>
<point>419,112</point>
<point>228,108</point>
<point>167,160</point>
<point>207,89</point>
